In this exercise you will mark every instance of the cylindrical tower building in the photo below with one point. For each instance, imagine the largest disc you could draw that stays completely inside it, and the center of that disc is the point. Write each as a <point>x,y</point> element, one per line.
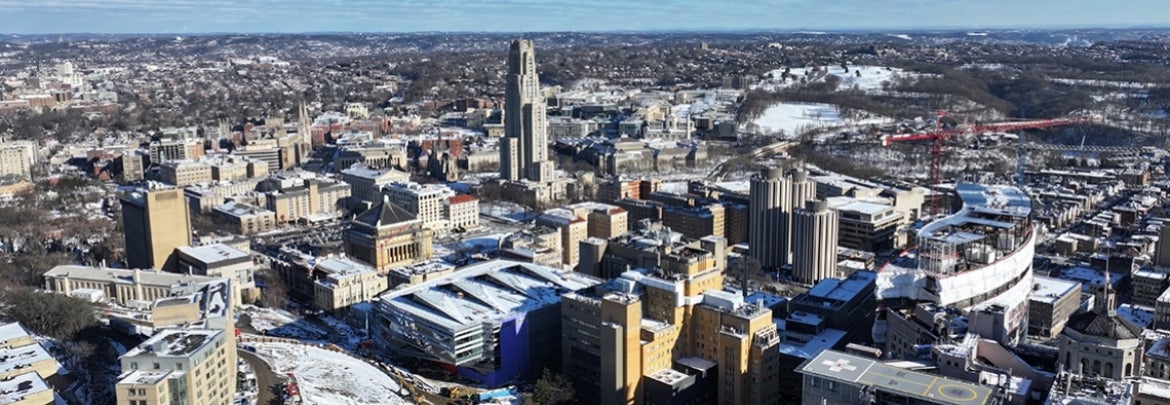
<point>814,242</point>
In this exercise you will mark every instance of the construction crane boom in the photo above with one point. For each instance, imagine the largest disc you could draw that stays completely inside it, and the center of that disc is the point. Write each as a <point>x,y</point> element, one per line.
<point>940,135</point>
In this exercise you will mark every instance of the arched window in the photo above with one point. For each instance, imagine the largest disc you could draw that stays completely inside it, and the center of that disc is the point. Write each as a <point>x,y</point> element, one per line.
<point>1128,370</point>
<point>1084,367</point>
<point>1109,369</point>
<point>1096,367</point>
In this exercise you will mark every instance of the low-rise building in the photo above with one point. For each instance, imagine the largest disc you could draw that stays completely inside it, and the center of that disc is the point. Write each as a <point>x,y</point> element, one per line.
<point>839,378</point>
<point>245,219</point>
<point>119,286</point>
<point>367,183</point>
<point>341,282</point>
<point>419,272</point>
<point>222,261</point>
<point>185,172</point>
<point>493,322</point>
<point>387,236</point>
<point>463,212</point>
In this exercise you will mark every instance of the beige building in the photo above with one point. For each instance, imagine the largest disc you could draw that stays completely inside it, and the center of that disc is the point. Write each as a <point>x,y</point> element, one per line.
<point>154,223</point>
<point>309,200</point>
<point>463,212</point>
<point>605,220</point>
<point>814,248</point>
<point>162,152</point>
<point>428,202</point>
<point>867,226</point>
<point>573,229</point>
<point>179,366</point>
<point>257,168</point>
<point>1101,343</point>
<point>24,368</point>
<point>387,236</point>
<point>229,171</point>
<point>366,183</point>
<point>17,158</point>
<point>221,261</point>
<point>22,354</point>
<point>539,245</point>
<point>616,336</point>
<point>342,282</point>
<point>185,172</point>
<point>118,286</point>
<point>245,219</point>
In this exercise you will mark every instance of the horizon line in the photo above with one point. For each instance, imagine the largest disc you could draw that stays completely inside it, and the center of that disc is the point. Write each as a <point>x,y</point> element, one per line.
<point>808,30</point>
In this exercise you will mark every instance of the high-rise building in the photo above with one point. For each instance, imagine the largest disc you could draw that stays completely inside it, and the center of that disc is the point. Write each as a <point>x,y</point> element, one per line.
<point>524,148</point>
<point>154,223</point>
<point>815,245</point>
<point>774,199</point>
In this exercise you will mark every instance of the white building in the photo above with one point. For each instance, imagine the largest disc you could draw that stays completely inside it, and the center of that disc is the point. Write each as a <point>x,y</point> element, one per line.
<point>428,202</point>
<point>978,260</point>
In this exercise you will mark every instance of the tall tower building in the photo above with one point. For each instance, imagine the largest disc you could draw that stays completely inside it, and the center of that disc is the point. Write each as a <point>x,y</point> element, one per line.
<point>815,247</point>
<point>524,148</point>
<point>773,201</point>
<point>154,223</point>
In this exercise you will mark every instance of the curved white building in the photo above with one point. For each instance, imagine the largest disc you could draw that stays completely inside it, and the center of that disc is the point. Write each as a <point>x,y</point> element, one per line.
<point>978,260</point>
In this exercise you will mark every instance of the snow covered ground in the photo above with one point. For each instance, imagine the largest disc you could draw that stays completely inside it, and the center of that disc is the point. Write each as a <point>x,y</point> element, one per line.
<point>325,377</point>
<point>794,119</point>
<point>870,80</point>
<point>282,323</point>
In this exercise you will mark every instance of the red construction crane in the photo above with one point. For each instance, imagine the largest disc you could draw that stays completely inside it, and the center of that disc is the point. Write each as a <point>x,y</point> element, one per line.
<point>939,135</point>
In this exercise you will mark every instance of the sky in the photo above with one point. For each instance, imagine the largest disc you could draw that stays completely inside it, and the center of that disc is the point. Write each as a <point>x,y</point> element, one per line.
<point>203,16</point>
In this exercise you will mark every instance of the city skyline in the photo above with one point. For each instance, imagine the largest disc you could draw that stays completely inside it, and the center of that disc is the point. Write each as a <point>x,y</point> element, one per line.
<point>299,16</point>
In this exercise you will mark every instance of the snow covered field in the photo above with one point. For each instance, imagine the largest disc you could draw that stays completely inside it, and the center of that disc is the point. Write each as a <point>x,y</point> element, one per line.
<point>794,119</point>
<point>325,377</point>
<point>870,81</point>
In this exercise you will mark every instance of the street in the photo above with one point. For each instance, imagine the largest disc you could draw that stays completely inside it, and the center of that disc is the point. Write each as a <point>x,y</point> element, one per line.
<point>268,382</point>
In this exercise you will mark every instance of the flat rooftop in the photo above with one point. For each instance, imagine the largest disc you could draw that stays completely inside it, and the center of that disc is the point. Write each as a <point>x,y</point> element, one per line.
<point>843,290</point>
<point>861,371</point>
<point>21,357</point>
<point>123,276</point>
<point>175,343</point>
<point>215,253</point>
<point>1049,290</point>
<point>20,387</point>
<point>140,377</point>
<point>344,267</point>
<point>11,331</point>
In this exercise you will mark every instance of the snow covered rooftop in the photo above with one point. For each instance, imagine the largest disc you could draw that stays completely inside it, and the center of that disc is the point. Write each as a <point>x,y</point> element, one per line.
<point>842,291</point>
<point>1049,290</point>
<point>12,331</point>
<point>140,377</point>
<point>21,357</point>
<point>485,291</point>
<point>175,343</point>
<point>17,388</point>
<point>214,253</point>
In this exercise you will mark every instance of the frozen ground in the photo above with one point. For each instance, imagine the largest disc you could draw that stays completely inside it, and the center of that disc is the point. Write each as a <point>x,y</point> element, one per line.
<point>870,81</point>
<point>325,377</point>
